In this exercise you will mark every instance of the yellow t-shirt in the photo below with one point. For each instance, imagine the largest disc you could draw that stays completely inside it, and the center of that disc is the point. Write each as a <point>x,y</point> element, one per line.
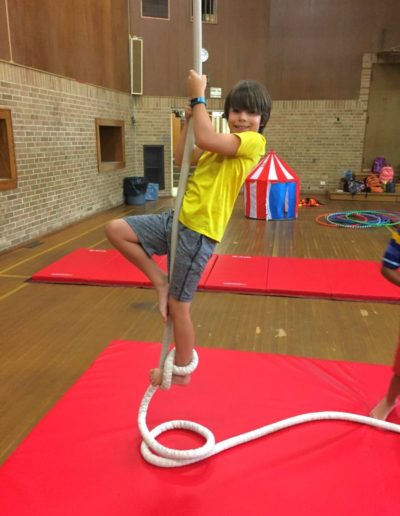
<point>212,191</point>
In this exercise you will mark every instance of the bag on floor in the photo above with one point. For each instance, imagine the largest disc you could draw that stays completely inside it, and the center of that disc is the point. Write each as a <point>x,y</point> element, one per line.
<point>372,184</point>
<point>347,177</point>
<point>356,187</point>
<point>378,163</point>
<point>386,175</point>
<point>391,187</point>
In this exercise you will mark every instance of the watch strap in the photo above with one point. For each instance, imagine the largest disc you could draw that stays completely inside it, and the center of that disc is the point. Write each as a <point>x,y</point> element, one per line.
<point>197,100</point>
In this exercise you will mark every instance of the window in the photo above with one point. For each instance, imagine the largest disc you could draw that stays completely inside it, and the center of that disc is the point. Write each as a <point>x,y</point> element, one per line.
<point>8,169</point>
<point>155,9</point>
<point>208,11</point>
<point>110,139</point>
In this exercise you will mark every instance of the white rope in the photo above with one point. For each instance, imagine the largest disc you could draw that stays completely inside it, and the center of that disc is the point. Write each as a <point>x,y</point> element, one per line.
<point>164,457</point>
<point>184,172</point>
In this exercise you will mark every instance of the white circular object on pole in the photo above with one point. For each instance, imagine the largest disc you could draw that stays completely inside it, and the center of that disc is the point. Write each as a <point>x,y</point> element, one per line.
<point>204,55</point>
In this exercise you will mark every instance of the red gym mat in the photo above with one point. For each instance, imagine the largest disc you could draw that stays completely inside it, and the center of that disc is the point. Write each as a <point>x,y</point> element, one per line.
<point>102,267</point>
<point>92,266</point>
<point>83,457</point>
<point>239,274</point>
<point>301,277</point>
<point>335,279</point>
<point>297,277</point>
<point>304,277</point>
<point>354,279</point>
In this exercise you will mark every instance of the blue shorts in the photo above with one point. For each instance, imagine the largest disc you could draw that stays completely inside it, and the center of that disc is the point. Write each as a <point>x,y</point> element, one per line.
<point>193,250</point>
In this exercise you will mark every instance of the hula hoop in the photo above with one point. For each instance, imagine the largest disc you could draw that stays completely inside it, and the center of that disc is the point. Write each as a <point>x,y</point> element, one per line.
<point>358,219</point>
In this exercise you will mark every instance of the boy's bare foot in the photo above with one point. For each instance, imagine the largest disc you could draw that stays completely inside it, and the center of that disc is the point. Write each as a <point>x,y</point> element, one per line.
<point>162,294</point>
<point>156,378</point>
<point>382,410</point>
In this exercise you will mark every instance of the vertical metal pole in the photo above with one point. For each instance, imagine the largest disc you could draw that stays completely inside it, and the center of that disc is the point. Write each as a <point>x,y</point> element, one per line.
<point>185,167</point>
<point>197,36</point>
<point>189,144</point>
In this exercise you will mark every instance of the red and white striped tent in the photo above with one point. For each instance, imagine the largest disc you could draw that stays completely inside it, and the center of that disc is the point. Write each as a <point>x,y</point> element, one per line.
<point>272,190</point>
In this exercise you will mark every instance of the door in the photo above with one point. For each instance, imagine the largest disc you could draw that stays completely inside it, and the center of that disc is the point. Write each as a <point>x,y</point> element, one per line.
<point>153,160</point>
<point>382,136</point>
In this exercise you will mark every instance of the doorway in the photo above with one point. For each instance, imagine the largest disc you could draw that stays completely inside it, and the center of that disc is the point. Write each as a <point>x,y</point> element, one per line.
<point>153,160</point>
<point>383,120</point>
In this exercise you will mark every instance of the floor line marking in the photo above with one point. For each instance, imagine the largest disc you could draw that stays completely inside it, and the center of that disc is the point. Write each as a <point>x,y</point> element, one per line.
<point>17,276</point>
<point>58,245</point>
<point>15,290</point>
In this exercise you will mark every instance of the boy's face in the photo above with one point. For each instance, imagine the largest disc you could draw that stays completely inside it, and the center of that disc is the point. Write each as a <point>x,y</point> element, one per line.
<point>240,121</point>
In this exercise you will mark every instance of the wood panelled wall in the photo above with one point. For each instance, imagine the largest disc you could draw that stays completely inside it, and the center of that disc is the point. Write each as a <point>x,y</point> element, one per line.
<point>4,39</point>
<point>85,40</point>
<point>315,47</point>
<point>303,49</point>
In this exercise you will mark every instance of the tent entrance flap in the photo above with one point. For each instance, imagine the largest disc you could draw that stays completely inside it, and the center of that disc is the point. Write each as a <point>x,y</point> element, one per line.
<point>281,203</point>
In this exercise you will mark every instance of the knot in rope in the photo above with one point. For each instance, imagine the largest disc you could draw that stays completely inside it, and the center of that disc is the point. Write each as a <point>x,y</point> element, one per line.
<point>156,453</point>
<point>170,368</point>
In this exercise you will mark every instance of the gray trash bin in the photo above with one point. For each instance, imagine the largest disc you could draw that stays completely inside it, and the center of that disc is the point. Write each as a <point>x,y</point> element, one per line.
<point>135,190</point>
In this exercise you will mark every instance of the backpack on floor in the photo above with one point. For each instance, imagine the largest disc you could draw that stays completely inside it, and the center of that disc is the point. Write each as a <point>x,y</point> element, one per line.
<point>386,174</point>
<point>348,176</point>
<point>377,164</point>
<point>372,184</point>
<point>391,187</point>
<point>356,187</point>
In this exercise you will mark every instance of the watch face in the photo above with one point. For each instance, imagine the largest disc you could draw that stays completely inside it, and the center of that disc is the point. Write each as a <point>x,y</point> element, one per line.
<point>203,55</point>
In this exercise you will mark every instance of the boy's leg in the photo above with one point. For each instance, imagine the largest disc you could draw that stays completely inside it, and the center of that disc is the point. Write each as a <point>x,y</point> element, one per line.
<point>387,404</point>
<point>192,254</point>
<point>183,331</point>
<point>184,334</point>
<point>123,238</point>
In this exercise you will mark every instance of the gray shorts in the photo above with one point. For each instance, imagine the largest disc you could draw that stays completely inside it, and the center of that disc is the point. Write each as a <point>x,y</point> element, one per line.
<point>193,250</point>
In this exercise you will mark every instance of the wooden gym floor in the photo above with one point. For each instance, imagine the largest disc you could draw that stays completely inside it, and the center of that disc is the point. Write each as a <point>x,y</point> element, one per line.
<point>50,334</point>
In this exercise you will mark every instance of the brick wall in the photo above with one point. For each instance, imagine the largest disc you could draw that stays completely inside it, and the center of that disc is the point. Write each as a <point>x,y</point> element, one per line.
<point>318,139</point>
<point>55,145</point>
<point>321,139</point>
<point>56,153</point>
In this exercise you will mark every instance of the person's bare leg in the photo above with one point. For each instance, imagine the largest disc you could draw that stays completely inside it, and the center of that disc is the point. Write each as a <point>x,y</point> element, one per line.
<point>184,341</point>
<point>386,405</point>
<point>123,238</point>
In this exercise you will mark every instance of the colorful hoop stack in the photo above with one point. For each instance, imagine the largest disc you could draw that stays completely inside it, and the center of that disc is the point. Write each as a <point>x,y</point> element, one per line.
<point>358,219</point>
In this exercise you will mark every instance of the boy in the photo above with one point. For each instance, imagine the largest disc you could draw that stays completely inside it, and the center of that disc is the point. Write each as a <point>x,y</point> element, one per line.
<point>390,270</point>
<point>224,161</point>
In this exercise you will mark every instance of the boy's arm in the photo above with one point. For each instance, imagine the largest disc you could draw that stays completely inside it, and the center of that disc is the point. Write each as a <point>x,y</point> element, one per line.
<point>205,136</point>
<point>180,147</point>
<point>390,268</point>
<point>392,275</point>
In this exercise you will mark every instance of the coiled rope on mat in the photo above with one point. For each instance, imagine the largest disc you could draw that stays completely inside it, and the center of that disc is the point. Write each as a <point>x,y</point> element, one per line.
<point>151,450</point>
<point>164,457</point>
<point>359,219</point>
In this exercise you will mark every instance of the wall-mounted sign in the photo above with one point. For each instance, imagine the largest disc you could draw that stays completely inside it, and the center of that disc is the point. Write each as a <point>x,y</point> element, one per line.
<point>215,93</point>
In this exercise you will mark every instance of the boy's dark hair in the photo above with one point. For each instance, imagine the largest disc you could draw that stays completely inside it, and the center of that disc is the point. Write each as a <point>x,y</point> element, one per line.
<point>250,96</point>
